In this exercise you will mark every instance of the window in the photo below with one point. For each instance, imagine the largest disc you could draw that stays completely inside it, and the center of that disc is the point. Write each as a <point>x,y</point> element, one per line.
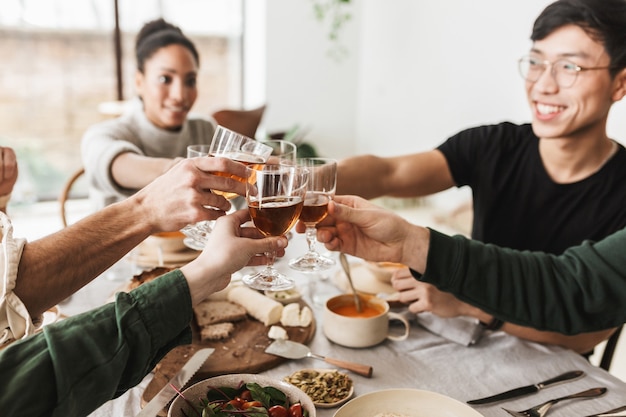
<point>59,66</point>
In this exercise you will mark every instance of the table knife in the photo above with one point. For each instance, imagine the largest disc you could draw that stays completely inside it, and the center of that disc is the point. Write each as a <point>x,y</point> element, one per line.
<point>529,389</point>
<point>179,380</point>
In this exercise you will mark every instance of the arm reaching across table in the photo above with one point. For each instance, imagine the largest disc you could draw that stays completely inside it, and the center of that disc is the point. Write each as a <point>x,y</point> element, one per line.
<point>582,290</point>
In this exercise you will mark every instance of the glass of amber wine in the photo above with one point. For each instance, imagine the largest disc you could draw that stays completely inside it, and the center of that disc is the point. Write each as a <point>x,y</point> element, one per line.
<point>237,147</point>
<point>283,152</point>
<point>320,190</point>
<point>275,195</point>
<point>196,234</point>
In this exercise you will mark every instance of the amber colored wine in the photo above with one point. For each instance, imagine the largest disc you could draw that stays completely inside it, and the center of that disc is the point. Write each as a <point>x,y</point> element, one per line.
<point>315,207</point>
<point>274,216</point>
<point>244,158</point>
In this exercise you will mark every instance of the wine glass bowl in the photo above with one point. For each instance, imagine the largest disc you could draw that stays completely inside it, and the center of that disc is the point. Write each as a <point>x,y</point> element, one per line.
<point>275,196</point>
<point>237,147</point>
<point>283,152</point>
<point>320,190</point>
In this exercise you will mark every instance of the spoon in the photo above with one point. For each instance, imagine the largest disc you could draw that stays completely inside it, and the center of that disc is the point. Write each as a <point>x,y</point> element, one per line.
<point>346,270</point>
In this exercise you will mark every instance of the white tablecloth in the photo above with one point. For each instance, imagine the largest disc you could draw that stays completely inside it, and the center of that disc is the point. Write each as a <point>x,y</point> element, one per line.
<point>425,361</point>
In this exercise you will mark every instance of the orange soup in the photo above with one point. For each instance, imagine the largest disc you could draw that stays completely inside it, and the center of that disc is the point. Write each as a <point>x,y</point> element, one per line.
<point>349,310</point>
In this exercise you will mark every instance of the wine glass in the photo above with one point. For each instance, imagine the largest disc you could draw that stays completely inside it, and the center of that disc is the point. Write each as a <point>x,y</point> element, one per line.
<point>320,190</point>
<point>275,196</point>
<point>237,147</point>
<point>283,152</point>
<point>197,233</point>
<point>226,144</point>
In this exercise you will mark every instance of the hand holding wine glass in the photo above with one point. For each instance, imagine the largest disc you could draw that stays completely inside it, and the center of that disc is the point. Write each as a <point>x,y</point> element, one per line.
<point>320,190</point>
<point>275,196</point>
<point>227,144</point>
<point>196,234</point>
<point>237,147</point>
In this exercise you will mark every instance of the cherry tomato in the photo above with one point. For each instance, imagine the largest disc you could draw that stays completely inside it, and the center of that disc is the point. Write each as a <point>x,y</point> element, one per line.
<point>295,410</point>
<point>278,411</point>
<point>249,404</point>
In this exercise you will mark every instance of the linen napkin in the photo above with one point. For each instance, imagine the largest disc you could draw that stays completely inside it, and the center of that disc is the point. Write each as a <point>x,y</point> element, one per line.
<point>462,330</point>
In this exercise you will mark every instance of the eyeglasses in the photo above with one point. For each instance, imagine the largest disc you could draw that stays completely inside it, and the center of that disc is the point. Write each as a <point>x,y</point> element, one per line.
<point>563,71</point>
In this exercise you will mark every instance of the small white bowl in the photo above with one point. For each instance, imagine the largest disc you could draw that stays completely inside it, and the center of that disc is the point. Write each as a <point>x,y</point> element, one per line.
<point>168,242</point>
<point>199,390</point>
<point>383,270</point>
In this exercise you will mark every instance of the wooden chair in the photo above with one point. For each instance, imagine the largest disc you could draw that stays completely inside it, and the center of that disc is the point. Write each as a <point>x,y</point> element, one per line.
<point>65,193</point>
<point>609,349</point>
<point>245,122</point>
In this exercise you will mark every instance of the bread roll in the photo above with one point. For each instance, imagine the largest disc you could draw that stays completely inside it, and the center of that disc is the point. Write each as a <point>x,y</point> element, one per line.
<point>257,305</point>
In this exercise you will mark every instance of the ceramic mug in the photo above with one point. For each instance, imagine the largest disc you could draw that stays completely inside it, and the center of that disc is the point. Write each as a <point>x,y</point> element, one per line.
<point>342,325</point>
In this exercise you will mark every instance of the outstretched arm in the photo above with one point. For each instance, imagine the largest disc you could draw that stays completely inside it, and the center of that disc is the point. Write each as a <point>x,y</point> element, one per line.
<point>582,290</point>
<point>54,267</point>
<point>86,360</point>
<point>412,175</point>
<point>421,296</point>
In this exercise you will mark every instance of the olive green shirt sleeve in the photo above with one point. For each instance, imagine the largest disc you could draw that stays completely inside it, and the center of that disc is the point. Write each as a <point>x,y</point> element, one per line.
<point>79,363</point>
<point>582,290</point>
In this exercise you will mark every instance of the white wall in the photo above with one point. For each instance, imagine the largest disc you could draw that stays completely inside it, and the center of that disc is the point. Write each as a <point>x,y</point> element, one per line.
<point>418,71</point>
<point>306,87</point>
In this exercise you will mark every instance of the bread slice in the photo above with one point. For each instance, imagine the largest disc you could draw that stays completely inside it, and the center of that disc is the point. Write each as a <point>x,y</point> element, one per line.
<point>216,331</point>
<point>213,312</point>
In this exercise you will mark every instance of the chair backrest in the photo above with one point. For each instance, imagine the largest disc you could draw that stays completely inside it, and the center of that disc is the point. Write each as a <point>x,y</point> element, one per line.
<point>609,349</point>
<point>245,122</point>
<point>65,193</point>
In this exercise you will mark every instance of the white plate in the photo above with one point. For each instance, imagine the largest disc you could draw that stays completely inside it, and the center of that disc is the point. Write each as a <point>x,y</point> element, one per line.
<point>407,403</point>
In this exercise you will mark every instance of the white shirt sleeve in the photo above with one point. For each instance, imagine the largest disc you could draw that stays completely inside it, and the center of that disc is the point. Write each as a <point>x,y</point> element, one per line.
<point>15,321</point>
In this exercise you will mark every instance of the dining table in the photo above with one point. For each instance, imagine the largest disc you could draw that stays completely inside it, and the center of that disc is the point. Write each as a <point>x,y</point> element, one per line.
<point>426,360</point>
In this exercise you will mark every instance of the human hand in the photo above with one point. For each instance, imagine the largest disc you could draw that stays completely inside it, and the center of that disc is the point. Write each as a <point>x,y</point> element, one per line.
<point>179,196</point>
<point>170,163</point>
<point>425,297</point>
<point>360,228</point>
<point>8,170</point>
<point>229,248</point>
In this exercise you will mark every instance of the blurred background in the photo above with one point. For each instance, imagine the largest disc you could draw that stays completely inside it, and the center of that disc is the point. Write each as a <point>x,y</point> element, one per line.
<point>369,76</point>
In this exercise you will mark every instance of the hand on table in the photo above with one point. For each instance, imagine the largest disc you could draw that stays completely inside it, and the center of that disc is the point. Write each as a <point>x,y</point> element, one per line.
<point>425,297</point>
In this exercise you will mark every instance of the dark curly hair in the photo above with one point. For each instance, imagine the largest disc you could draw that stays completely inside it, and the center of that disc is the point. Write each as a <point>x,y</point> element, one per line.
<point>157,34</point>
<point>603,20</point>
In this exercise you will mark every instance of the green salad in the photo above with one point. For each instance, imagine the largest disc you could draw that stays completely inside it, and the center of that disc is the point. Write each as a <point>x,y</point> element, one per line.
<point>246,400</point>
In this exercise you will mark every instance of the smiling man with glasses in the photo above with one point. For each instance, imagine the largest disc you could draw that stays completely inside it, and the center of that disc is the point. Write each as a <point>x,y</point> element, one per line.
<point>545,185</point>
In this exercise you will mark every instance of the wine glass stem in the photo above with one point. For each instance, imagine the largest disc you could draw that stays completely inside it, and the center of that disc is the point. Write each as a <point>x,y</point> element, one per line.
<point>271,257</point>
<point>311,237</point>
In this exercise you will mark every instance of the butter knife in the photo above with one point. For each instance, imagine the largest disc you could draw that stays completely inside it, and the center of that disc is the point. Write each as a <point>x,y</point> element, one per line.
<point>529,389</point>
<point>179,380</point>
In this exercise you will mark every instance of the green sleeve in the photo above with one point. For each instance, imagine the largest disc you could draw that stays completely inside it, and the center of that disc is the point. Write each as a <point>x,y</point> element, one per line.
<point>582,290</point>
<point>79,363</point>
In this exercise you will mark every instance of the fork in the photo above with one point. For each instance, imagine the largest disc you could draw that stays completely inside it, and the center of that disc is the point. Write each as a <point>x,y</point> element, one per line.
<point>542,409</point>
<point>619,411</point>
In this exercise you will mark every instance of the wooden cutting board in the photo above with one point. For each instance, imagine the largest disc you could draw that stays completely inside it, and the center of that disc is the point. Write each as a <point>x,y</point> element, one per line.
<point>243,352</point>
